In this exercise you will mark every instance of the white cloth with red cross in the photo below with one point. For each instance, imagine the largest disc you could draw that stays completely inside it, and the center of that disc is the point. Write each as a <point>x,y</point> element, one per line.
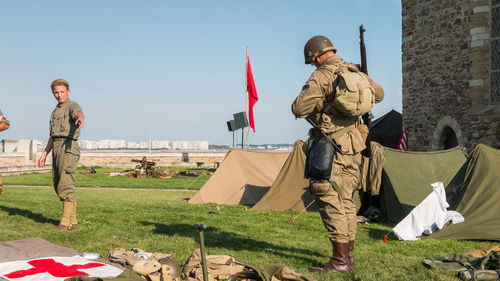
<point>55,269</point>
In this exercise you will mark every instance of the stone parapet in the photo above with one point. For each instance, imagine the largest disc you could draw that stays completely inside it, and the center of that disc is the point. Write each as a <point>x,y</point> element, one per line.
<point>12,159</point>
<point>123,158</point>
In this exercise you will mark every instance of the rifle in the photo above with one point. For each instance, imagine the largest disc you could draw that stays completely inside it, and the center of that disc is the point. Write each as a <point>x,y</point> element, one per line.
<point>367,117</point>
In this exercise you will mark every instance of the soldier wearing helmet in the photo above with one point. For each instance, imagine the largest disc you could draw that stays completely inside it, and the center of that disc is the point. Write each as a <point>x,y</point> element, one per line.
<point>334,196</point>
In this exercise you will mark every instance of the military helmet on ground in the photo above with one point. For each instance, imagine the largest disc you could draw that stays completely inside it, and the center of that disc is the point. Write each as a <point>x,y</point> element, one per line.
<point>316,46</point>
<point>171,267</point>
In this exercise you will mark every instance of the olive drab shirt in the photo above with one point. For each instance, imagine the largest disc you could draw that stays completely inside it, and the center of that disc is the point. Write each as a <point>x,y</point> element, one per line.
<point>62,120</point>
<point>313,103</point>
<point>3,119</point>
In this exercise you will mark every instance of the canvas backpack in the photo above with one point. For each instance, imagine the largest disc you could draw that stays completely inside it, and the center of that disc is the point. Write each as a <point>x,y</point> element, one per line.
<point>353,95</point>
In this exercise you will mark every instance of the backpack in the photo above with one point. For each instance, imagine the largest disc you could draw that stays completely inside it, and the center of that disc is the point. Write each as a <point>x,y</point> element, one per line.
<point>353,95</point>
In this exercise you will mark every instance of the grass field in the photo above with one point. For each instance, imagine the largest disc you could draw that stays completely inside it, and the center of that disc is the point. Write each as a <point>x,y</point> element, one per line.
<point>161,221</point>
<point>102,179</point>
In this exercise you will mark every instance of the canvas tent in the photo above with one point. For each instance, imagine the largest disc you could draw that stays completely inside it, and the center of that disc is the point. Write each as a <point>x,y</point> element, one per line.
<point>243,177</point>
<point>406,178</point>
<point>290,190</point>
<point>475,193</point>
<point>387,129</point>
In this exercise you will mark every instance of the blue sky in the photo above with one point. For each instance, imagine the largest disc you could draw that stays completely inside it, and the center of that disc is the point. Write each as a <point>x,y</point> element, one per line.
<point>175,70</point>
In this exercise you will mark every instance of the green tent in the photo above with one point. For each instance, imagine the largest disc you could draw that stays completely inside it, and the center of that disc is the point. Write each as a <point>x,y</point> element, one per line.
<point>474,192</point>
<point>407,176</point>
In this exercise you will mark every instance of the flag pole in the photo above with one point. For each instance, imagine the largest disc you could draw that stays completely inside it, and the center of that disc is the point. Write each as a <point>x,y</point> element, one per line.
<point>246,91</point>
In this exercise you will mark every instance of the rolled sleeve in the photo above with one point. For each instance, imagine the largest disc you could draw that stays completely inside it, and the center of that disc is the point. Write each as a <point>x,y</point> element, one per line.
<point>74,108</point>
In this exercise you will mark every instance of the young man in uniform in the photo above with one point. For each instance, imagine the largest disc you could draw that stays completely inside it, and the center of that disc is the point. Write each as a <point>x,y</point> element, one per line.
<point>334,196</point>
<point>65,123</point>
<point>4,125</point>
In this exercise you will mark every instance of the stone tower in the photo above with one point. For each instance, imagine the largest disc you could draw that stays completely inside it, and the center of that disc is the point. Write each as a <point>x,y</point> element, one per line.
<point>451,73</point>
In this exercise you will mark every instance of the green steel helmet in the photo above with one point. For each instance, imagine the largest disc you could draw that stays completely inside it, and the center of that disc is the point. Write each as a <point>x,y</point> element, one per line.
<point>316,46</point>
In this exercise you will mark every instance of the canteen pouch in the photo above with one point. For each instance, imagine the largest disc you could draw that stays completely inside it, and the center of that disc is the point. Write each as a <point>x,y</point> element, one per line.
<point>319,158</point>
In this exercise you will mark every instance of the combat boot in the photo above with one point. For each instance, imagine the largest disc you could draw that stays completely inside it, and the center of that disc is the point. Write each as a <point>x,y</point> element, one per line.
<point>339,262</point>
<point>73,216</point>
<point>65,223</point>
<point>350,253</point>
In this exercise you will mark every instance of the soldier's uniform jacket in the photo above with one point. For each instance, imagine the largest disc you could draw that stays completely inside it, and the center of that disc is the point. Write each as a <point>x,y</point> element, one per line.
<point>3,119</point>
<point>314,102</point>
<point>467,266</point>
<point>62,120</point>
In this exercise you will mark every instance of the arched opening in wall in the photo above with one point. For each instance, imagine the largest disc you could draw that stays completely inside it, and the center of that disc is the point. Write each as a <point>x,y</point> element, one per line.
<point>449,138</point>
<point>447,134</point>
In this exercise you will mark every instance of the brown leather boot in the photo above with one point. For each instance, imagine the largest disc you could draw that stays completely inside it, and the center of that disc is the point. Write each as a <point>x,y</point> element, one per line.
<point>339,262</point>
<point>350,253</point>
<point>65,223</point>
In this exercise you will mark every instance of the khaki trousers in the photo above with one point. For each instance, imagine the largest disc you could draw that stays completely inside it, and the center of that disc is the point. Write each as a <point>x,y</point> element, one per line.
<point>337,208</point>
<point>65,156</point>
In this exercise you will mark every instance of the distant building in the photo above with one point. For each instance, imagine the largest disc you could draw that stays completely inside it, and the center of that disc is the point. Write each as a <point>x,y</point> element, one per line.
<point>160,144</point>
<point>133,145</point>
<point>154,144</point>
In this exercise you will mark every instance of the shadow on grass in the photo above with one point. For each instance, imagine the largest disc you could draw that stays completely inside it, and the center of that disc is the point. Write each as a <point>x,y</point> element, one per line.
<point>232,241</point>
<point>378,234</point>
<point>28,214</point>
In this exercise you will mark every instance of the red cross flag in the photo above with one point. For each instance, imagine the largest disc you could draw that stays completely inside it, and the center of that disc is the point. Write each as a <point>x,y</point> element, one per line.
<point>55,269</point>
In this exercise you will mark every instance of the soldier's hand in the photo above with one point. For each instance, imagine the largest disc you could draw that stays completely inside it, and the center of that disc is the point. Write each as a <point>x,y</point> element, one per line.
<point>41,161</point>
<point>80,120</point>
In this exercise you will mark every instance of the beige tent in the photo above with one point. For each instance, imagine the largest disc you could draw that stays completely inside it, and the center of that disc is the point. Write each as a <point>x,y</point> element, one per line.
<point>290,190</point>
<point>243,177</point>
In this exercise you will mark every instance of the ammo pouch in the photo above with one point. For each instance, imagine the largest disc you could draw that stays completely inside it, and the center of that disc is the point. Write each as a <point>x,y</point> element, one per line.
<point>319,158</point>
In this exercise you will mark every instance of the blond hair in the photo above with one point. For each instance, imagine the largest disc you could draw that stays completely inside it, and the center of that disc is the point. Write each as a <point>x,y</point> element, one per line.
<point>59,82</point>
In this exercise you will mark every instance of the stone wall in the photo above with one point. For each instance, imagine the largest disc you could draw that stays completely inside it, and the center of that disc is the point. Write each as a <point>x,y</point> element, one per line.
<point>17,162</point>
<point>445,59</point>
<point>12,159</point>
<point>485,121</point>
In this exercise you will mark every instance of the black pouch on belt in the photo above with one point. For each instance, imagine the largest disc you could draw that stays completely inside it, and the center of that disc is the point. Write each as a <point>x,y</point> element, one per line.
<point>319,158</point>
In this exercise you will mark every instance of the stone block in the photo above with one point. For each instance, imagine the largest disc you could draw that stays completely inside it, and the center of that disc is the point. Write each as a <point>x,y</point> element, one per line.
<point>480,36</point>
<point>481,9</point>
<point>476,83</point>
<point>478,30</point>
<point>477,20</point>
<point>475,135</point>
<point>477,43</point>
<point>407,38</point>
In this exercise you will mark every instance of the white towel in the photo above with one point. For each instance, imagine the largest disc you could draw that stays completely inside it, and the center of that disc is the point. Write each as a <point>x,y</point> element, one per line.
<point>428,216</point>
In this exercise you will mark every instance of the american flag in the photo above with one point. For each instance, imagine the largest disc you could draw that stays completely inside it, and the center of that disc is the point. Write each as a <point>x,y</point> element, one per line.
<point>403,141</point>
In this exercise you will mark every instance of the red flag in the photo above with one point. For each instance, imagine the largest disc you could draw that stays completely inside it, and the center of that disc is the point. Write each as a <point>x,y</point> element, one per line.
<point>403,141</point>
<point>252,94</point>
